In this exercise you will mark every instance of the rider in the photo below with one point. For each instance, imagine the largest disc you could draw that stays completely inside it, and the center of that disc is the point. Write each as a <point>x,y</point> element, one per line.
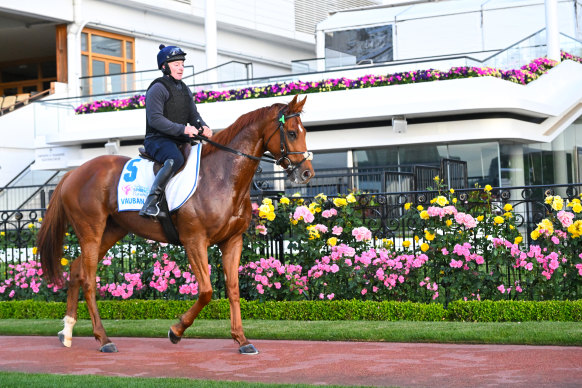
<point>170,111</point>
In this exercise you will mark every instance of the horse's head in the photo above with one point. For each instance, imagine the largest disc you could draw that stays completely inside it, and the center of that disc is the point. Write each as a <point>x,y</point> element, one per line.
<point>287,142</point>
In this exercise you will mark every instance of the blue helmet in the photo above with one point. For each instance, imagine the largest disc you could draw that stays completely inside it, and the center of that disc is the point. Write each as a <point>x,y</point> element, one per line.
<point>170,54</point>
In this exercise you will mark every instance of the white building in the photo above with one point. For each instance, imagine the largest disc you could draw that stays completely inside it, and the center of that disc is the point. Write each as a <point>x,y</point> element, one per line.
<point>508,134</point>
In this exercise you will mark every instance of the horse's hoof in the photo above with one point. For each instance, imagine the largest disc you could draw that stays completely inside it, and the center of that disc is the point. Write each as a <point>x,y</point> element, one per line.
<point>248,349</point>
<point>108,348</point>
<point>66,341</point>
<point>173,337</point>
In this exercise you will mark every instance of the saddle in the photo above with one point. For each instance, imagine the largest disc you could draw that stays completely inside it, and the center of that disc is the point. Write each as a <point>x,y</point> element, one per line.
<point>164,216</point>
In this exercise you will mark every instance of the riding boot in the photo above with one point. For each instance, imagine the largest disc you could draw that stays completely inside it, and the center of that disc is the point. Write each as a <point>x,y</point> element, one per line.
<point>150,207</point>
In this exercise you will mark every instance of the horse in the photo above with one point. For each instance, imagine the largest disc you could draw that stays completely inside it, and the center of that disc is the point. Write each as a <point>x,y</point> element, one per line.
<point>219,212</point>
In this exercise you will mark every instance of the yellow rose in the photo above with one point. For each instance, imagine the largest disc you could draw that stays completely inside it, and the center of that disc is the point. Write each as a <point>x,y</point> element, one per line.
<point>577,208</point>
<point>452,191</point>
<point>424,215</point>
<point>436,178</point>
<point>517,240</point>
<point>406,243</point>
<point>40,219</point>
<point>64,261</point>
<point>535,234</point>
<point>416,238</point>
<point>351,198</point>
<point>321,196</point>
<point>339,202</point>
<point>332,241</point>
<point>508,207</point>
<point>271,216</point>
<point>267,201</point>
<point>488,188</point>
<point>507,215</point>
<point>442,201</point>
<point>498,220</point>
<point>424,247</point>
<point>407,205</point>
<point>546,225</point>
<point>419,208</point>
<point>284,201</point>
<point>449,222</point>
<point>558,203</point>
<point>34,250</point>
<point>480,218</point>
<point>2,234</point>
<point>454,200</point>
<point>575,229</point>
<point>549,199</point>
<point>429,236</point>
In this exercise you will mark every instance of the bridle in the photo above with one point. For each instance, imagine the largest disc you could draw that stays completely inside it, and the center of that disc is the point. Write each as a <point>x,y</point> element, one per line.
<point>269,158</point>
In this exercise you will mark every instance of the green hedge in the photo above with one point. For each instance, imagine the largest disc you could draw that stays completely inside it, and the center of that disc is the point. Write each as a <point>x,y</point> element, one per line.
<point>473,311</point>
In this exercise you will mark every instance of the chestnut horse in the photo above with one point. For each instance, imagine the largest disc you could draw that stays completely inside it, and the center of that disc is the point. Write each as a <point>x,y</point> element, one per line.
<point>218,213</point>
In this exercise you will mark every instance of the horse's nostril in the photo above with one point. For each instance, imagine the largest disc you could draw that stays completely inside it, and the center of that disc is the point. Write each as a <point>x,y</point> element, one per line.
<point>306,174</point>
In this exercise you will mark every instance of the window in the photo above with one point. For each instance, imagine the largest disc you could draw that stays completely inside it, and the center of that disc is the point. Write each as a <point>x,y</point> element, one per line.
<point>29,76</point>
<point>363,45</point>
<point>102,54</point>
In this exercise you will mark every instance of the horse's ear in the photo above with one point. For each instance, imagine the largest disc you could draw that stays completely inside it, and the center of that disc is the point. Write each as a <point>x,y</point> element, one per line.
<point>295,105</point>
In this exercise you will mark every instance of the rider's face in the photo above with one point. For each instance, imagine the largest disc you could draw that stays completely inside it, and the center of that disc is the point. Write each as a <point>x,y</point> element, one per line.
<point>176,69</point>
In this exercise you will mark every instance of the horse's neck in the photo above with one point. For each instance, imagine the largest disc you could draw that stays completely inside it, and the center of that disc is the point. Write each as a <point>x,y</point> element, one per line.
<point>235,168</point>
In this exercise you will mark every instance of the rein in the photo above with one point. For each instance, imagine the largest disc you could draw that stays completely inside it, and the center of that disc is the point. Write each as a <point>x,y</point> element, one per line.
<point>268,158</point>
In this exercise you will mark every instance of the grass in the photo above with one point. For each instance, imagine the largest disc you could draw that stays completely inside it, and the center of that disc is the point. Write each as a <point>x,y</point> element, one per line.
<point>26,380</point>
<point>518,333</point>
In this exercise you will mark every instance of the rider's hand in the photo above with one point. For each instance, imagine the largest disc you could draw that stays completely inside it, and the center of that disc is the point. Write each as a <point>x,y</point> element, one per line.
<point>190,130</point>
<point>206,131</point>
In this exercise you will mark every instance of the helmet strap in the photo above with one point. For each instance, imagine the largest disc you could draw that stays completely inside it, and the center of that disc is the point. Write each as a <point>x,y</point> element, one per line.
<point>166,69</point>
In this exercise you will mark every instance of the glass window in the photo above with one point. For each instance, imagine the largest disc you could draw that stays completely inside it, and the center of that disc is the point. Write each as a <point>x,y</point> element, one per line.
<point>29,89</point>
<point>129,50</point>
<point>363,45</point>
<point>106,46</point>
<point>84,44</point>
<point>429,154</point>
<point>48,69</point>
<point>22,72</point>
<point>330,160</point>
<point>379,157</point>
<point>482,162</point>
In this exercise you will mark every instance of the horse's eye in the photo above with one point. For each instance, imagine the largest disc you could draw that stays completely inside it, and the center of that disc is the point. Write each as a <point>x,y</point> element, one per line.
<point>292,135</point>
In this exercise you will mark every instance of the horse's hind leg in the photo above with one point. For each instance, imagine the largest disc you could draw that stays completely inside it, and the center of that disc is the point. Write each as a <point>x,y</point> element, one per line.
<point>77,277</point>
<point>66,335</point>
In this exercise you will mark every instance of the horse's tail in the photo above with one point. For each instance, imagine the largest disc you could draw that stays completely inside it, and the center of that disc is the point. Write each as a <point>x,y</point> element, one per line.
<point>49,241</point>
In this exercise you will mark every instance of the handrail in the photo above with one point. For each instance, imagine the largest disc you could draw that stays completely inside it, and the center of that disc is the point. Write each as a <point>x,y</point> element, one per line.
<point>21,103</point>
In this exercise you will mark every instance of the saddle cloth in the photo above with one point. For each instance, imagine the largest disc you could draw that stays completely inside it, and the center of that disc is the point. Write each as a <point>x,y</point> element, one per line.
<point>138,176</point>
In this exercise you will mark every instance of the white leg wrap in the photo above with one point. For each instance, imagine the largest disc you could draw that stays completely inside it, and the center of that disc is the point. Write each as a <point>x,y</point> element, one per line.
<point>67,333</point>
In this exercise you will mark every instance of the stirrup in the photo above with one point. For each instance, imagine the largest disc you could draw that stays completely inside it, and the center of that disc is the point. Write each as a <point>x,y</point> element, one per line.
<point>146,213</point>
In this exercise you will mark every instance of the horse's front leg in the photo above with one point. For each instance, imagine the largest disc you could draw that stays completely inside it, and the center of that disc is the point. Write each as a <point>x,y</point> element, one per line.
<point>231,252</point>
<point>198,259</point>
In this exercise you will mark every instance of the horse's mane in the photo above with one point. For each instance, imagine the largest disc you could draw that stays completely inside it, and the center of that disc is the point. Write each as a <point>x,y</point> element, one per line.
<point>226,135</point>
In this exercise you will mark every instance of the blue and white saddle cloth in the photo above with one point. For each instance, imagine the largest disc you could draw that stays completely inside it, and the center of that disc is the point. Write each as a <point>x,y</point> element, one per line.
<point>138,176</point>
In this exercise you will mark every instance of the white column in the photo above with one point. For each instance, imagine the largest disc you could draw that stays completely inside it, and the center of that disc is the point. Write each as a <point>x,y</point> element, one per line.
<point>552,30</point>
<point>320,49</point>
<point>210,33</point>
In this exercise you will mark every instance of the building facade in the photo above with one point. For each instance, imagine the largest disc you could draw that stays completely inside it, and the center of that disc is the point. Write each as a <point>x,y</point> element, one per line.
<point>508,134</point>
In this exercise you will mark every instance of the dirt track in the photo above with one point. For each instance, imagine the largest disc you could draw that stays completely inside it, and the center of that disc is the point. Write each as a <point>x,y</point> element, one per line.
<point>345,363</point>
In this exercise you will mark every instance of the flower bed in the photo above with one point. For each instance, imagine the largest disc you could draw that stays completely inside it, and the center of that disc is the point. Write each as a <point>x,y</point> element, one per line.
<point>462,247</point>
<point>522,76</point>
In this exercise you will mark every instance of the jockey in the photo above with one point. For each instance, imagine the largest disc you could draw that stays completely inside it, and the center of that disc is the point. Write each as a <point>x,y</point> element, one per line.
<point>170,111</point>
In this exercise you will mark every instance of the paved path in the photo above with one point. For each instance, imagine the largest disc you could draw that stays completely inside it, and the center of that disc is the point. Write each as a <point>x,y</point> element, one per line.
<point>344,363</point>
